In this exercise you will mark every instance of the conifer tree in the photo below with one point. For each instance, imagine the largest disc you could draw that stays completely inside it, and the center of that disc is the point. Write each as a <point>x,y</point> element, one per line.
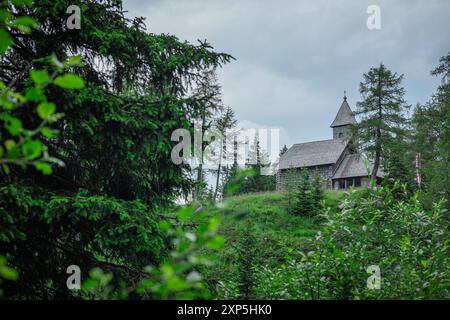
<point>431,124</point>
<point>382,113</point>
<point>305,201</point>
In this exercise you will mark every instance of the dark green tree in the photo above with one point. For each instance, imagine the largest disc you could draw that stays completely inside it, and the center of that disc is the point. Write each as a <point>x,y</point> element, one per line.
<point>208,92</point>
<point>431,124</point>
<point>283,150</point>
<point>305,204</point>
<point>224,124</point>
<point>317,191</point>
<point>382,115</point>
<point>101,208</point>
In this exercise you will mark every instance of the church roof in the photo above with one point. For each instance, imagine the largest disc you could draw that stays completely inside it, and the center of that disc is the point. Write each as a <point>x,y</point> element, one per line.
<point>344,116</point>
<point>314,153</point>
<point>353,166</point>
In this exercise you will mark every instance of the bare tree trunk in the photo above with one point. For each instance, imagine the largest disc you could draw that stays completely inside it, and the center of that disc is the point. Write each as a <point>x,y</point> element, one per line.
<point>376,164</point>
<point>199,180</point>
<point>218,172</point>
<point>200,166</point>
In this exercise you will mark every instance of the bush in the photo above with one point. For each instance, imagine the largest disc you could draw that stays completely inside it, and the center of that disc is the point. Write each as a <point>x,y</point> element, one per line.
<point>408,244</point>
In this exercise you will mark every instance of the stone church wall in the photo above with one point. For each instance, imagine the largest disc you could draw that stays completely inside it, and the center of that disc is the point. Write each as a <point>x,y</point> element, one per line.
<point>290,177</point>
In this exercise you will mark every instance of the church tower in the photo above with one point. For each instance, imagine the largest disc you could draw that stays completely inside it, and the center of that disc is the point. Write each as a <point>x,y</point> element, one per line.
<point>343,120</point>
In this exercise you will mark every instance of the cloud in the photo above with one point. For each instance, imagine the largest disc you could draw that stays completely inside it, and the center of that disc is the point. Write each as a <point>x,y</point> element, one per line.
<point>295,58</point>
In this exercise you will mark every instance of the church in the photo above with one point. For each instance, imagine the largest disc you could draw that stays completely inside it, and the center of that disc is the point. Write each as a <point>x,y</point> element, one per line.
<point>335,160</point>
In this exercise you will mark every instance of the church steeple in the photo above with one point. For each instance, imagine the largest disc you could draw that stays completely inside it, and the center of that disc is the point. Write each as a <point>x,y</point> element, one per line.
<point>343,119</point>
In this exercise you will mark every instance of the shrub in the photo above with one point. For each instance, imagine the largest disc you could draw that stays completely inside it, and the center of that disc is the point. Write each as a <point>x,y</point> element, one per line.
<point>408,244</point>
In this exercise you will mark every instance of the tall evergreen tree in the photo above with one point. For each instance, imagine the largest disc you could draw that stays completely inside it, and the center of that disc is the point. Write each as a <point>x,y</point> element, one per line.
<point>100,209</point>
<point>283,150</point>
<point>209,95</point>
<point>431,123</point>
<point>224,123</point>
<point>382,113</point>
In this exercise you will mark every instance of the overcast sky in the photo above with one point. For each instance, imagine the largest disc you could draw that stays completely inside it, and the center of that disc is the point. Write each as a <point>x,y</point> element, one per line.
<point>295,58</point>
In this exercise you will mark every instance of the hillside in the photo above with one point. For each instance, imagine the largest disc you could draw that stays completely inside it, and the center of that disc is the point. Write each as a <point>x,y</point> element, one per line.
<point>274,231</point>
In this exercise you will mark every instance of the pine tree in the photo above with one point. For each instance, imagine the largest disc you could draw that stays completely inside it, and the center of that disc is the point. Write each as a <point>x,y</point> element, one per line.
<point>382,112</point>
<point>317,192</point>
<point>431,124</point>
<point>283,150</point>
<point>304,198</point>
<point>208,91</point>
<point>224,123</point>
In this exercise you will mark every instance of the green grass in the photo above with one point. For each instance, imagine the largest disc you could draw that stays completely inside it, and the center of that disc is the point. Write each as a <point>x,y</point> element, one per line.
<point>275,231</point>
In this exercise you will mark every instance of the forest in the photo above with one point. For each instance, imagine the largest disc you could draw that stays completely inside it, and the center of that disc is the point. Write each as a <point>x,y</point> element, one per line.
<point>92,205</point>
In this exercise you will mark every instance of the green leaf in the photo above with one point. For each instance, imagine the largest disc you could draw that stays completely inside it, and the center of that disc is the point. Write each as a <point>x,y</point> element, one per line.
<point>46,109</point>
<point>73,61</point>
<point>214,223</point>
<point>216,243</point>
<point>25,21</point>
<point>89,284</point>
<point>14,126</point>
<point>32,149</point>
<point>44,167</point>
<point>69,81</point>
<point>48,133</point>
<point>5,41</point>
<point>185,212</point>
<point>34,94</point>
<point>8,273</point>
<point>175,283</point>
<point>22,2</point>
<point>9,144</point>
<point>4,15</point>
<point>39,76</point>
<point>54,60</point>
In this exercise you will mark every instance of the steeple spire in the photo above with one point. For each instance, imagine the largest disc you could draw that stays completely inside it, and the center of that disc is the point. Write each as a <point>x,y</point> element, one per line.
<point>345,115</point>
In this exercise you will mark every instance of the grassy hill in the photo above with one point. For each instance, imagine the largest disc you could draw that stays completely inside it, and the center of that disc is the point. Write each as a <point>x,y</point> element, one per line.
<point>274,231</point>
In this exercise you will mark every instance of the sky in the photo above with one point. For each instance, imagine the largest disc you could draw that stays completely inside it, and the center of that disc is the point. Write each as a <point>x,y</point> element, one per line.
<point>295,58</point>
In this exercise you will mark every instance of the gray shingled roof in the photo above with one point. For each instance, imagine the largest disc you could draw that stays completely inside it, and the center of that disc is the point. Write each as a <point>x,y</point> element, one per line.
<point>344,116</point>
<point>312,154</point>
<point>353,166</point>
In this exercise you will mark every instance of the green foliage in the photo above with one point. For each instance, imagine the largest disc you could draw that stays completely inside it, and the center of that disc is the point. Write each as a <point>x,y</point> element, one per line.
<point>407,243</point>
<point>99,211</point>
<point>89,231</point>
<point>382,122</point>
<point>431,123</point>
<point>261,219</point>
<point>177,275</point>
<point>19,145</point>
<point>245,263</point>
<point>303,194</point>
<point>263,179</point>
<point>6,273</point>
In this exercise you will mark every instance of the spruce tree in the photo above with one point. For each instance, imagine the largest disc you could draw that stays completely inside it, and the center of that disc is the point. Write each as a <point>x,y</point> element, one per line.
<point>305,201</point>
<point>224,123</point>
<point>431,124</point>
<point>283,150</point>
<point>382,114</point>
<point>317,192</point>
